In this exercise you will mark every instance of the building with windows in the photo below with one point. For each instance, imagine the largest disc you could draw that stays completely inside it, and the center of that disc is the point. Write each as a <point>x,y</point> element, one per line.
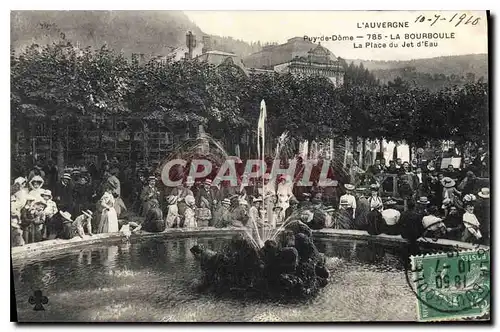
<point>298,57</point>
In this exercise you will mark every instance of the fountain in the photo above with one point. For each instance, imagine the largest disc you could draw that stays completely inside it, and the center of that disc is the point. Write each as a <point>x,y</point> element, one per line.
<point>267,260</point>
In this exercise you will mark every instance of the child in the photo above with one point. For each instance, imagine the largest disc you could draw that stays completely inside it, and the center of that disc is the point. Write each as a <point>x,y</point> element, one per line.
<point>471,231</point>
<point>83,222</point>
<point>189,214</point>
<point>173,219</point>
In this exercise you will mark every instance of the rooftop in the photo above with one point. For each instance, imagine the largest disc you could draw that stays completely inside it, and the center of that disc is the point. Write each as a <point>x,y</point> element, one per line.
<point>296,47</point>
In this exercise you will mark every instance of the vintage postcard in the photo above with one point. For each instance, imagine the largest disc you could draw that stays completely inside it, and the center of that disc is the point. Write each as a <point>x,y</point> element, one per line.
<point>250,166</point>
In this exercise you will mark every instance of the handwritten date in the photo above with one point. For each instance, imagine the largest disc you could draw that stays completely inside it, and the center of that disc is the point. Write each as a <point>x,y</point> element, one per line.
<point>457,19</point>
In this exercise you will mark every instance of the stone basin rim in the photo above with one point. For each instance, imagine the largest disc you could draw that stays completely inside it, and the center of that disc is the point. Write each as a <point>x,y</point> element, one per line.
<point>35,249</point>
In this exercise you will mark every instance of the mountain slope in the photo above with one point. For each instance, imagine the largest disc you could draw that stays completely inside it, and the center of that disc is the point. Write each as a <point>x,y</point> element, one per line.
<point>433,71</point>
<point>148,32</point>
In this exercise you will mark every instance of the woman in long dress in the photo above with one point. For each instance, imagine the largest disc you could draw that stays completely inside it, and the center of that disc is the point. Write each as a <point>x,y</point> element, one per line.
<point>109,219</point>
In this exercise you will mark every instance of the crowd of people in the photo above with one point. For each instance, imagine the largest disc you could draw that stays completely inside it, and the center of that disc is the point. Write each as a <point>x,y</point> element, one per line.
<point>444,203</point>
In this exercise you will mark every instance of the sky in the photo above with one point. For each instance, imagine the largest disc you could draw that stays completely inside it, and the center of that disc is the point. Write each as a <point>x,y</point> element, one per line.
<point>278,26</point>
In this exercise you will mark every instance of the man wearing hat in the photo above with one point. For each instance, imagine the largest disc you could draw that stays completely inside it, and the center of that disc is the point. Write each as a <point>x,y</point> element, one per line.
<point>254,213</point>
<point>348,201</point>
<point>222,215</point>
<point>483,212</point>
<point>83,223</point>
<point>64,193</point>
<point>205,201</point>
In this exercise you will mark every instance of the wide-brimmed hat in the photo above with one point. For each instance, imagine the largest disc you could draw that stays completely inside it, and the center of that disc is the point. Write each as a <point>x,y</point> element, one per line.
<point>226,201</point>
<point>423,200</point>
<point>258,199</point>
<point>306,194</point>
<point>374,186</point>
<point>349,186</point>
<point>172,199</point>
<point>65,215</point>
<point>208,182</point>
<point>46,192</point>
<point>29,198</point>
<point>66,176</point>
<point>484,193</point>
<point>469,198</point>
<point>20,180</point>
<point>448,182</point>
<point>88,213</point>
<point>242,202</point>
<point>152,178</point>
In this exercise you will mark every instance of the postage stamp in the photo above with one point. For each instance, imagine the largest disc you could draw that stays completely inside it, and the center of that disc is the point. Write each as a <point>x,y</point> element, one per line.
<point>452,285</point>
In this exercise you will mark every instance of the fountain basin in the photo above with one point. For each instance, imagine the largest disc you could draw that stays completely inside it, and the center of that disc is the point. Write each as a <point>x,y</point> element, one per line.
<point>153,278</point>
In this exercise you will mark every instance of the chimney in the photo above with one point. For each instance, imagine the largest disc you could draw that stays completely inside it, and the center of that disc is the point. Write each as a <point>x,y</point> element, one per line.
<point>207,45</point>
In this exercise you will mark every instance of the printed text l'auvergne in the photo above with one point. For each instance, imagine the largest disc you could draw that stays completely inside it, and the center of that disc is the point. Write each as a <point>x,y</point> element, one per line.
<point>383,25</point>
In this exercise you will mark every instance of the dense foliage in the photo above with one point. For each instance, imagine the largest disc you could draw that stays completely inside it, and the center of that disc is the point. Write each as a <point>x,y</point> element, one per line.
<point>65,83</point>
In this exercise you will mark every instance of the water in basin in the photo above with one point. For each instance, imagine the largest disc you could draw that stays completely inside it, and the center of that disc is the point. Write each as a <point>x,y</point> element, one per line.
<point>155,280</point>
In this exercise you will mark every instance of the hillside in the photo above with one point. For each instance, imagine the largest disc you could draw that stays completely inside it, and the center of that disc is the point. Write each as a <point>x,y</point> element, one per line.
<point>148,32</point>
<point>433,72</point>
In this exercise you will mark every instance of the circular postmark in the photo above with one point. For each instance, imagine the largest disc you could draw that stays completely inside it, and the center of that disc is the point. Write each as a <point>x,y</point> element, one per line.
<point>449,282</point>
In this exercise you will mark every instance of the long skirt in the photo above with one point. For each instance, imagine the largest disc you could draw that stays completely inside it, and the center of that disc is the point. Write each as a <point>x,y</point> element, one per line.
<point>343,219</point>
<point>119,206</point>
<point>109,222</point>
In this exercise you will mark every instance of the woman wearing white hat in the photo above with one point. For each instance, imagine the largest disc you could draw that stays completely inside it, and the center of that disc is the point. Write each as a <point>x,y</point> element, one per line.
<point>109,219</point>
<point>348,201</point>
<point>35,185</point>
<point>51,208</point>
